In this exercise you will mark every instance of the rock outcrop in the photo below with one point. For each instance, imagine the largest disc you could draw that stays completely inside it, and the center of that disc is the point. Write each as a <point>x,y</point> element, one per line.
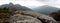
<point>30,17</point>
<point>23,19</point>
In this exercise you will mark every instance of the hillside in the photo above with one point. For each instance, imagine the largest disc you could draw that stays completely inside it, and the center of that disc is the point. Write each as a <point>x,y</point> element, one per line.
<point>16,6</point>
<point>46,9</point>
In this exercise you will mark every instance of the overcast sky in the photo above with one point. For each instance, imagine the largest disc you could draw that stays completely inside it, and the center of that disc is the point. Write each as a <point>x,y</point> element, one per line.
<point>22,2</point>
<point>54,3</point>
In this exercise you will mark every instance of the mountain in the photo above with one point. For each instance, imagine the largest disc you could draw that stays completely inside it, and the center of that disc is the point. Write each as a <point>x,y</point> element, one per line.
<point>11,6</point>
<point>19,7</point>
<point>46,9</point>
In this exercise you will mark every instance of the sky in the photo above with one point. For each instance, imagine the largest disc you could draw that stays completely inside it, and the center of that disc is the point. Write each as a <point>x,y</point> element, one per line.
<point>22,2</point>
<point>54,3</point>
<point>33,3</point>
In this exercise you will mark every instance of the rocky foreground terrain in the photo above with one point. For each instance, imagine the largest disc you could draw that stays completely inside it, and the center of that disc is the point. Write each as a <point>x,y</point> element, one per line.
<point>10,13</point>
<point>30,17</point>
<point>24,17</point>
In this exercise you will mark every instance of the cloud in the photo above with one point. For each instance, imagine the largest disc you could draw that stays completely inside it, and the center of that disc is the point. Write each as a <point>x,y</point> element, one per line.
<point>23,2</point>
<point>47,1</point>
<point>43,0</point>
<point>17,0</point>
<point>54,3</point>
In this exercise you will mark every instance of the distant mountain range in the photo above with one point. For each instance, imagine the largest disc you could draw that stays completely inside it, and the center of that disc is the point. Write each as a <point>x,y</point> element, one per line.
<point>42,9</point>
<point>46,9</point>
<point>17,6</point>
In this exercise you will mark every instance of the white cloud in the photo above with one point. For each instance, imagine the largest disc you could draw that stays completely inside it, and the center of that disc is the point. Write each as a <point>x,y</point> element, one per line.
<point>17,0</point>
<point>4,2</point>
<point>54,3</point>
<point>23,2</point>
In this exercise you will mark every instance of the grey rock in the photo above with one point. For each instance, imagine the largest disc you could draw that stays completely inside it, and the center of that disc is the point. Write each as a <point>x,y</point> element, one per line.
<point>23,19</point>
<point>30,17</point>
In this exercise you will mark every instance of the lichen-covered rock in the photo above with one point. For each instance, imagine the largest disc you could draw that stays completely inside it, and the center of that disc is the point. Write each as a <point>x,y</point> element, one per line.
<point>30,17</point>
<point>17,18</point>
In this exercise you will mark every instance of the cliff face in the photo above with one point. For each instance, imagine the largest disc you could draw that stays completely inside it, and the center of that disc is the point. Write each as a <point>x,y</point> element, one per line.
<point>30,17</point>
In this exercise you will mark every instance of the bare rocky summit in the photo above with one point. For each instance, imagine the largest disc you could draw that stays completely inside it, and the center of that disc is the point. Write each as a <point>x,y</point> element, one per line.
<point>30,17</point>
<point>23,19</point>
